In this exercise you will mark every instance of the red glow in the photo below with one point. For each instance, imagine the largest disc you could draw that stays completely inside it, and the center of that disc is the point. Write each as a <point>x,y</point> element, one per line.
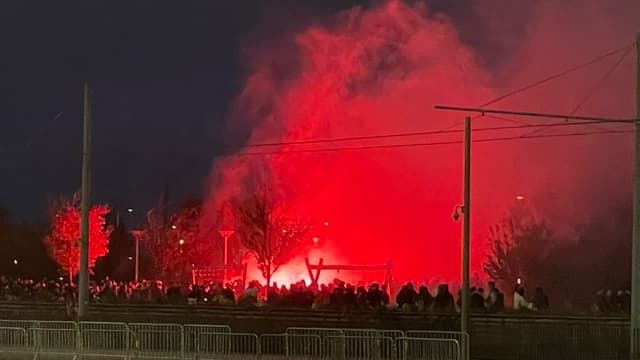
<point>62,241</point>
<point>380,71</point>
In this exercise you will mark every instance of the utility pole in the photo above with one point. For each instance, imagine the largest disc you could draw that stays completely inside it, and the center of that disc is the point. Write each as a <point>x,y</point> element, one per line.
<point>83,281</point>
<point>137,270</point>
<point>635,252</point>
<point>466,210</point>
<point>226,234</point>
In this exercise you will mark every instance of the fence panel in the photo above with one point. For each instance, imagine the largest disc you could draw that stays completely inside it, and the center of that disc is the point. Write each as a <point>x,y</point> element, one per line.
<point>357,347</point>
<point>430,348</point>
<point>51,340</point>
<point>227,346</point>
<point>192,335</point>
<point>157,340</point>
<point>323,333</point>
<point>460,337</point>
<point>106,342</point>
<point>290,346</point>
<point>13,339</point>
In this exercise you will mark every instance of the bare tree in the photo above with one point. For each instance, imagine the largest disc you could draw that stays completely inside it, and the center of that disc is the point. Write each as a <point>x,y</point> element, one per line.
<point>270,230</point>
<point>518,248</point>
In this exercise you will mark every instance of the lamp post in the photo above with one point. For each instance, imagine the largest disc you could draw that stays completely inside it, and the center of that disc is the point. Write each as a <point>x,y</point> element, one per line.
<point>226,234</point>
<point>137,234</point>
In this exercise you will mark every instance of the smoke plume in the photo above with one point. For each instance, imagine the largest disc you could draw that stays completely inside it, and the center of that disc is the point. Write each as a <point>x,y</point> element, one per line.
<point>380,70</point>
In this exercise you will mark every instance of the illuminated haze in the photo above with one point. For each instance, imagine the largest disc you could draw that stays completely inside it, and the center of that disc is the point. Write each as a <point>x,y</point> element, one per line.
<point>379,70</point>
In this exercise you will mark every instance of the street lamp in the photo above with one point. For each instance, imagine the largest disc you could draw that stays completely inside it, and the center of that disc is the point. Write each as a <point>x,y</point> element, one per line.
<point>226,234</point>
<point>137,234</point>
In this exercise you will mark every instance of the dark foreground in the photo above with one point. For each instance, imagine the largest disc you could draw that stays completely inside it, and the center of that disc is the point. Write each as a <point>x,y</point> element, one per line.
<point>492,336</point>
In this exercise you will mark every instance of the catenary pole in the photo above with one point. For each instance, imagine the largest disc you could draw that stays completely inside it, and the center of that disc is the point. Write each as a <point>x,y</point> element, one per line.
<point>635,252</point>
<point>83,281</point>
<point>466,209</point>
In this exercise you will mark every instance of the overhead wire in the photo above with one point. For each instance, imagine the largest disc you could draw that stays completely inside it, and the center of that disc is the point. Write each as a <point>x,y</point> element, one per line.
<point>601,81</point>
<point>557,75</point>
<point>423,144</point>
<point>420,133</point>
<point>592,90</point>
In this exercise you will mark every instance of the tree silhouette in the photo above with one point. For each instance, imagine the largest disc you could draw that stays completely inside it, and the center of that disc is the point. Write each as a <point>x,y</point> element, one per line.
<point>517,248</point>
<point>269,230</point>
<point>63,238</point>
<point>178,245</point>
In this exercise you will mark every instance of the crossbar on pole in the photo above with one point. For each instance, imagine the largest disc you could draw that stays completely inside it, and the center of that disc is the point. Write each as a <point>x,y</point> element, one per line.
<point>535,114</point>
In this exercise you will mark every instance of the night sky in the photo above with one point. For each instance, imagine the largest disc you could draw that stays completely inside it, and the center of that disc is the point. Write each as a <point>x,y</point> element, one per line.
<point>163,74</point>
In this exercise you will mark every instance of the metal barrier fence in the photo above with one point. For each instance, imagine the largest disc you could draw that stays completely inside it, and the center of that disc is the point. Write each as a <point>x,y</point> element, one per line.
<point>228,346</point>
<point>158,341</point>
<point>192,335</point>
<point>461,339</point>
<point>277,346</point>
<point>431,348</point>
<point>103,340</point>
<point>360,347</point>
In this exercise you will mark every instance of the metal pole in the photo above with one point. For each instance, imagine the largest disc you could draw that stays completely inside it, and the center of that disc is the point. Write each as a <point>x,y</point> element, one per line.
<point>137,258</point>
<point>464,311</point>
<point>226,238</point>
<point>635,245</point>
<point>83,281</point>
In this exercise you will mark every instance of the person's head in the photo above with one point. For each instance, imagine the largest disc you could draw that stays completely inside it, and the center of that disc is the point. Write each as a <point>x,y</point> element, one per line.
<point>481,291</point>
<point>520,290</point>
<point>472,290</point>
<point>492,285</point>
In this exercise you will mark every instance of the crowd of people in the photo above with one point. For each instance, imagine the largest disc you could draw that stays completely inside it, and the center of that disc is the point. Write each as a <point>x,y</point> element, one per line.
<point>607,301</point>
<point>337,295</point>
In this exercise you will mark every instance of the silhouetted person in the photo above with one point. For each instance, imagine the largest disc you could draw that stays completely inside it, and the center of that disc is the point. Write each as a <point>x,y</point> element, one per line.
<point>476,302</point>
<point>375,296</point>
<point>519,301</point>
<point>540,300</point>
<point>444,300</point>
<point>407,297</point>
<point>425,300</point>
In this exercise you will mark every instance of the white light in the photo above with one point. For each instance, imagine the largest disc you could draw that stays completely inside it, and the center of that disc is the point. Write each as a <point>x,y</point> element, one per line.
<point>284,231</point>
<point>15,261</point>
<point>181,241</point>
<point>130,258</point>
<point>174,227</point>
<point>61,278</point>
<point>519,197</point>
<point>326,223</point>
<point>316,240</point>
<point>130,210</point>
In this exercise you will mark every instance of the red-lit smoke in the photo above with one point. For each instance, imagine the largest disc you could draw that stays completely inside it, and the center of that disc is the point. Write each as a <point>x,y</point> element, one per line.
<point>381,70</point>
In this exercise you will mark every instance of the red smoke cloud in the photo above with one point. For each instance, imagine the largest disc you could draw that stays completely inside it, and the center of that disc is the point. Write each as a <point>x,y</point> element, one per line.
<point>381,70</point>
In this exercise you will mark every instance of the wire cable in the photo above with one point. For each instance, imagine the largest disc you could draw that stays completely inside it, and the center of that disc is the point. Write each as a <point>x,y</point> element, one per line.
<point>424,144</point>
<point>557,75</point>
<point>601,81</point>
<point>420,133</point>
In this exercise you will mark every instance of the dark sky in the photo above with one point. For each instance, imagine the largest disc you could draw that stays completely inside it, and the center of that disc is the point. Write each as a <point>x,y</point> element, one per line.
<point>163,75</point>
